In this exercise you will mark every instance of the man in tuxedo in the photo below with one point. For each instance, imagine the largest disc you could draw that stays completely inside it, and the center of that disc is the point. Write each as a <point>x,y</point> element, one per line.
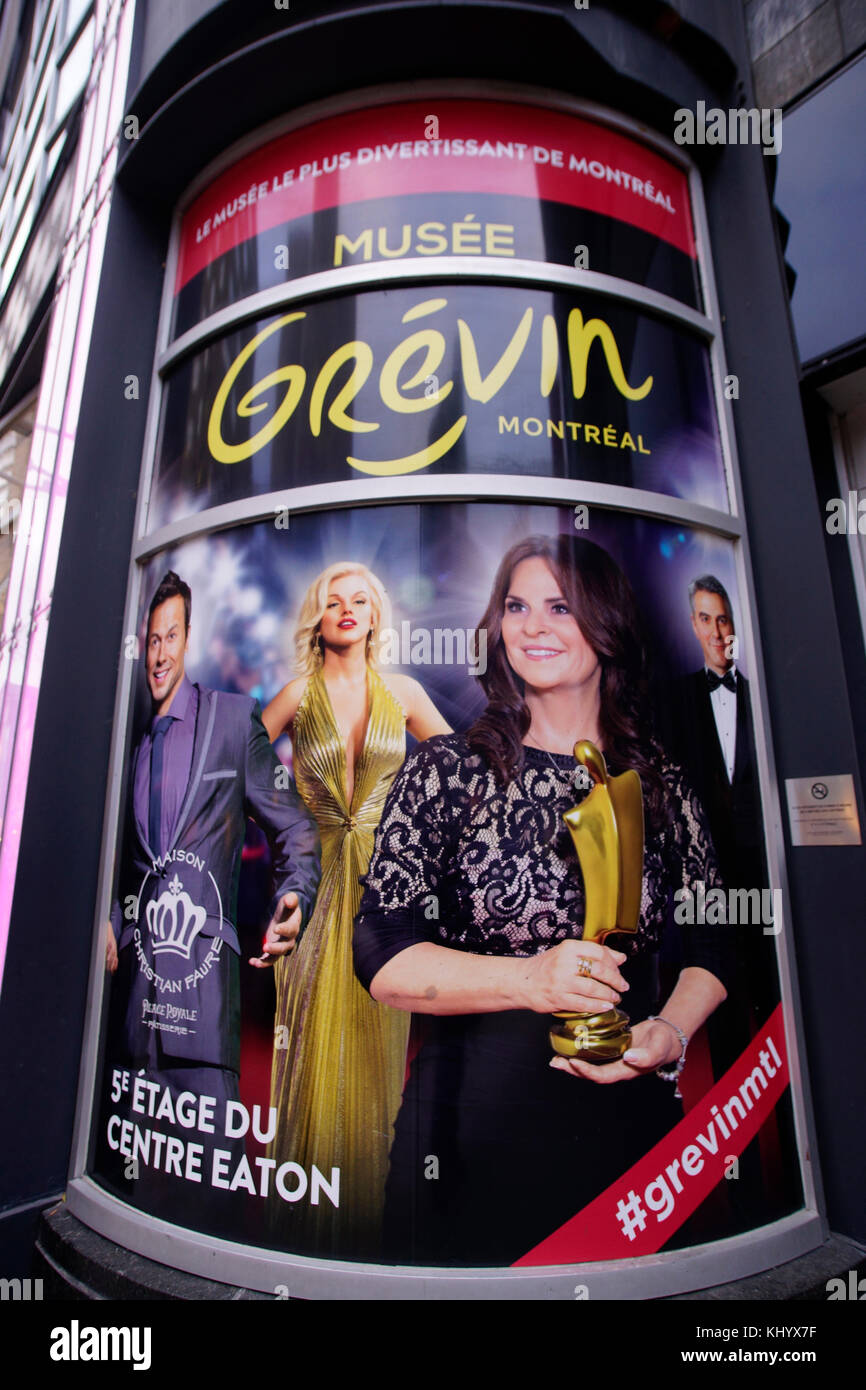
<point>203,765</point>
<point>707,723</point>
<point>712,737</point>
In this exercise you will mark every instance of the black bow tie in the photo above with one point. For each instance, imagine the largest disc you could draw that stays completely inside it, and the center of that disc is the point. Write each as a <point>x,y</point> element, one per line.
<point>728,680</point>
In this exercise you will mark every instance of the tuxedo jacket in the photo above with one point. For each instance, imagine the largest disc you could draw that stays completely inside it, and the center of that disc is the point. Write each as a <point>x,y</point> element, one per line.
<point>732,806</point>
<point>178,941</point>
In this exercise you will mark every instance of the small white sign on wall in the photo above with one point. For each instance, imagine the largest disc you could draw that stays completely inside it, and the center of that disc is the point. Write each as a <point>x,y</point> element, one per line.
<point>823,810</point>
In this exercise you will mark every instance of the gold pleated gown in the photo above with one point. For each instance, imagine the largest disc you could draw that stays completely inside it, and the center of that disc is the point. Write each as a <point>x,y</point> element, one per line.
<point>337,1082</point>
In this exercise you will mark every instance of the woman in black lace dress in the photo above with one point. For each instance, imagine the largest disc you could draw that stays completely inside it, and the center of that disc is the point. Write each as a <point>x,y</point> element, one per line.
<point>472,915</point>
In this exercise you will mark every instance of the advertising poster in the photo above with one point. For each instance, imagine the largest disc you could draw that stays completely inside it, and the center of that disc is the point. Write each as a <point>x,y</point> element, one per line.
<point>460,379</point>
<point>346,901</point>
<point>374,187</point>
<point>242,1101</point>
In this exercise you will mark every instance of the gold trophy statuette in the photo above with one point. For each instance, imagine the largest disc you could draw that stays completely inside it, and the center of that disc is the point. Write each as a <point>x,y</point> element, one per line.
<point>607,830</point>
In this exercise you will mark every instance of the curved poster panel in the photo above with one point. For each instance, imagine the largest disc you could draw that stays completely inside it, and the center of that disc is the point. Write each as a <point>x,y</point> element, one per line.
<point>292,1109</point>
<point>445,379</point>
<point>432,178</point>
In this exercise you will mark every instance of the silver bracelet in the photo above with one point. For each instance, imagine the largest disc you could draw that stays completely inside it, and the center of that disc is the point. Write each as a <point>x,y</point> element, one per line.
<point>677,1066</point>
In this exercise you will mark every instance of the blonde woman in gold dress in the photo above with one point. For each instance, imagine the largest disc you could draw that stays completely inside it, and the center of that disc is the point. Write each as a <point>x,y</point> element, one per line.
<point>339,1059</point>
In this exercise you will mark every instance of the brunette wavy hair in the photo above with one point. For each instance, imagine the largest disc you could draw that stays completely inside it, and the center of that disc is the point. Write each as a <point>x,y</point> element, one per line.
<point>603,604</point>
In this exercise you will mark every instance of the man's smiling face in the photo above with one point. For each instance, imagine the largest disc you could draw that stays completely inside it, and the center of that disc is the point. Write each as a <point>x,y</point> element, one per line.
<point>713,627</point>
<point>167,639</point>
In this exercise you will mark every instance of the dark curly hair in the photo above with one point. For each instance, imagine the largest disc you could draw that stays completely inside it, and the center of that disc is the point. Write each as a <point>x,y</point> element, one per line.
<point>604,607</point>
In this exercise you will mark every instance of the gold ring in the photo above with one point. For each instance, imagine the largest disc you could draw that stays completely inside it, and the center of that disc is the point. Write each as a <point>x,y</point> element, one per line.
<point>584,967</point>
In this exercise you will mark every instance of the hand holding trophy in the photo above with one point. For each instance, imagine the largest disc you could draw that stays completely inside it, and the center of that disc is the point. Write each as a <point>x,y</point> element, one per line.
<point>608,834</point>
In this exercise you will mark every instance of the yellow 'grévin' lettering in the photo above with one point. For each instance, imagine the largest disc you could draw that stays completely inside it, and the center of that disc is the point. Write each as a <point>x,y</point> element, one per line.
<point>428,347</point>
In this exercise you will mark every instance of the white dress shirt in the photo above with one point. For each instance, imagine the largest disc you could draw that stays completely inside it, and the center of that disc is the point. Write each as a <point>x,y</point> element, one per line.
<point>724,703</point>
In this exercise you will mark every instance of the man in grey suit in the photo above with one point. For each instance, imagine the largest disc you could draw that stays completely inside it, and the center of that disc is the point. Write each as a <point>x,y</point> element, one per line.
<point>203,766</point>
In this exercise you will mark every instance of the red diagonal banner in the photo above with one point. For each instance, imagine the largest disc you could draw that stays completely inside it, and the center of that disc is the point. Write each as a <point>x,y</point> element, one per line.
<point>639,1212</point>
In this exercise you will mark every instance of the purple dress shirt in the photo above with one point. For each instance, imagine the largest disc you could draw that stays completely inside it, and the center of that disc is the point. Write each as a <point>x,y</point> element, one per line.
<point>176,765</point>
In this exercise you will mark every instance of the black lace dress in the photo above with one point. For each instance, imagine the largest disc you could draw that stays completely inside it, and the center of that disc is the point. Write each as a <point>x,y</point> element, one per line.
<point>493,1150</point>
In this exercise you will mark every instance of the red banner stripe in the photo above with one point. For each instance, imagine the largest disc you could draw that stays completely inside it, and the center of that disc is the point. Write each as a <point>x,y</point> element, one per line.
<point>639,1212</point>
<point>386,147</point>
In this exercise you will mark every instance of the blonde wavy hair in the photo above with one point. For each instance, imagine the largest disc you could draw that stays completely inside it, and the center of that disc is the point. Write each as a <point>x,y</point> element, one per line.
<point>313,608</point>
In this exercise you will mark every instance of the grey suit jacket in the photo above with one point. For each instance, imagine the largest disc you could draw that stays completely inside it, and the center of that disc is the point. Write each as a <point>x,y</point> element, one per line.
<point>178,940</point>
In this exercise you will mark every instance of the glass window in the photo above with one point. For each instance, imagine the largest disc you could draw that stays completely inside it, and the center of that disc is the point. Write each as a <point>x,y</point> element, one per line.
<point>75,12</point>
<point>821,189</point>
<point>73,74</point>
<point>14,451</point>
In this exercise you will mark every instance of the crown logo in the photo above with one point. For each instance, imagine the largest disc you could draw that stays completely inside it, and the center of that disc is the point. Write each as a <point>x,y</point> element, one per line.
<point>174,920</point>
